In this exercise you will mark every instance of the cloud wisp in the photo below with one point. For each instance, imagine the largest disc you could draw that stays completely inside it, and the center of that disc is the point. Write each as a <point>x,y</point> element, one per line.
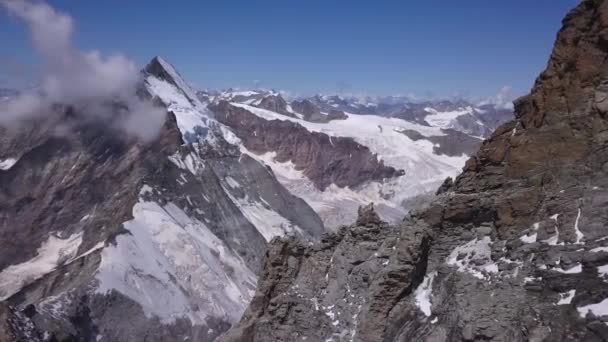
<point>75,77</point>
<point>502,100</point>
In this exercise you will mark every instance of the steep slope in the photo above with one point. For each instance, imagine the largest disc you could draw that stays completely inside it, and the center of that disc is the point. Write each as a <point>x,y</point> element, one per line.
<point>107,238</point>
<point>514,250</point>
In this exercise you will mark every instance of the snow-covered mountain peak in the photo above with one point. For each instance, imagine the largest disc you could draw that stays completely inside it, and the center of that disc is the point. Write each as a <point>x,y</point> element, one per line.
<point>194,120</point>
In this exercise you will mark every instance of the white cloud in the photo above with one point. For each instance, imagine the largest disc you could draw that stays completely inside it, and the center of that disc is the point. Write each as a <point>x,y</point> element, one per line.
<point>502,100</point>
<point>76,77</point>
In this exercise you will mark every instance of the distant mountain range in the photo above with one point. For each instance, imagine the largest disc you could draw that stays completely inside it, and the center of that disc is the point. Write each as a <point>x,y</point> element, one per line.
<point>461,115</point>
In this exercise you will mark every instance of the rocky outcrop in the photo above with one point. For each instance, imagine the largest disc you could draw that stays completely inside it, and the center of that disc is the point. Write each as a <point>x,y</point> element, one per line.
<point>306,108</point>
<point>453,143</point>
<point>275,103</point>
<point>336,115</point>
<point>323,159</point>
<point>311,112</point>
<point>348,287</point>
<point>446,186</point>
<point>518,248</point>
<point>15,326</point>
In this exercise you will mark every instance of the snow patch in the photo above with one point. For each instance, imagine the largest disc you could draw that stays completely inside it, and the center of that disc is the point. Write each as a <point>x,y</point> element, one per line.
<point>174,266</point>
<point>532,279</point>
<point>474,258</point>
<point>552,241</point>
<point>232,183</point>
<point>6,164</point>
<point>578,268</point>
<point>598,309</point>
<point>602,271</point>
<point>268,222</point>
<point>423,294</point>
<point>446,120</point>
<point>190,162</point>
<point>579,234</point>
<point>566,297</point>
<point>53,252</point>
<point>531,238</point>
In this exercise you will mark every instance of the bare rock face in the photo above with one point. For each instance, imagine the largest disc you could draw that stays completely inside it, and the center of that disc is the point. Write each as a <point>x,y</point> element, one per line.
<point>347,287</point>
<point>311,112</point>
<point>336,115</point>
<point>16,326</point>
<point>446,186</point>
<point>306,108</point>
<point>275,103</point>
<point>453,143</point>
<point>367,215</point>
<point>518,247</point>
<point>323,159</point>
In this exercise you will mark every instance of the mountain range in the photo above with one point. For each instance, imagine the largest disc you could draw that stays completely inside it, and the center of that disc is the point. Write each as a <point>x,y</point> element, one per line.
<point>251,216</point>
<point>109,237</point>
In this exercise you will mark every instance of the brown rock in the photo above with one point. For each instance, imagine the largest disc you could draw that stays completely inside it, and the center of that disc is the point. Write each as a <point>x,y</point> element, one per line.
<point>323,159</point>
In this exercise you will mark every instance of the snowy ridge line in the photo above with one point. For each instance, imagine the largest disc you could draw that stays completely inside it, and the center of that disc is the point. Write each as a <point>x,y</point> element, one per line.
<point>194,120</point>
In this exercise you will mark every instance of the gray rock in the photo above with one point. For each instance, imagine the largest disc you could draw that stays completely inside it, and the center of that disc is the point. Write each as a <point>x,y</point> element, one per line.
<point>468,332</point>
<point>539,181</point>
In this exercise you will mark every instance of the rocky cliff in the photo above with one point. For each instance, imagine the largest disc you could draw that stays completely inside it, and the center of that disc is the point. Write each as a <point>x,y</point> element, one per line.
<point>515,249</point>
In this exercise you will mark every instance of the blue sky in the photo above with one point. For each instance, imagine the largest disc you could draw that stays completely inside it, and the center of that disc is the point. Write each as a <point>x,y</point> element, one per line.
<point>430,47</point>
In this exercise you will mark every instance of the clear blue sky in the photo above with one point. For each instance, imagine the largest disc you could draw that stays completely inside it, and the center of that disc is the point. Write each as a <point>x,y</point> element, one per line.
<point>378,47</point>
